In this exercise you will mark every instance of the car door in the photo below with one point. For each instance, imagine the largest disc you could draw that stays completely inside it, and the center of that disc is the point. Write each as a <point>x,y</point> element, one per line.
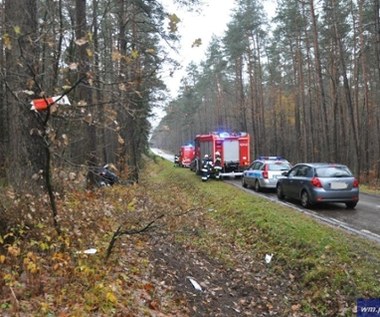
<point>256,172</point>
<point>247,174</point>
<point>301,180</point>
<point>291,181</point>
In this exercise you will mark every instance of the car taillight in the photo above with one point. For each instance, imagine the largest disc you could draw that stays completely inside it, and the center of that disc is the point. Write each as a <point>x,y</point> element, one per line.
<point>265,172</point>
<point>356,183</point>
<point>316,182</point>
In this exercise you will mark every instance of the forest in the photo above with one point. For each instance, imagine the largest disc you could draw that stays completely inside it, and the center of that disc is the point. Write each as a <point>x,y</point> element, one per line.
<point>304,84</point>
<point>80,80</point>
<point>95,67</point>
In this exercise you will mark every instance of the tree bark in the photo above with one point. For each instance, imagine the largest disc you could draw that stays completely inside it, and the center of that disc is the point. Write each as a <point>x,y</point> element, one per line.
<point>325,143</point>
<point>26,159</point>
<point>83,90</point>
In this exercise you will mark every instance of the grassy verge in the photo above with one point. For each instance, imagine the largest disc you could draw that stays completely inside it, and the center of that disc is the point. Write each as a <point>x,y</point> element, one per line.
<point>332,267</point>
<point>370,189</point>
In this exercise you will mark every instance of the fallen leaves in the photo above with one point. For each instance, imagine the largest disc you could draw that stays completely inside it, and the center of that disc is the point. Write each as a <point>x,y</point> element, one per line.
<point>187,265</point>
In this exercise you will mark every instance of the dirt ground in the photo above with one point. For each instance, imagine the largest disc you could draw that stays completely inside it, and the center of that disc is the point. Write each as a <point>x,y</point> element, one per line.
<point>251,288</point>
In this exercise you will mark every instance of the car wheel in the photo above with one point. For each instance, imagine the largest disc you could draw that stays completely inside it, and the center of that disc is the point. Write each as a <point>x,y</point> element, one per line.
<point>305,200</point>
<point>351,204</point>
<point>257,186</point>
<point>280,193</point>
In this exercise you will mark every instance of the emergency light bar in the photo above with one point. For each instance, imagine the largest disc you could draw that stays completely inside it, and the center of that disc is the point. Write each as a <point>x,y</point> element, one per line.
<point>227,134</point>
<point>224,134</point>
<point>261,157</point>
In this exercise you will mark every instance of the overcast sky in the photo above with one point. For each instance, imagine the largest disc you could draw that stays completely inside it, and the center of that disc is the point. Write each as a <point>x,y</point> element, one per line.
<point>212,20</point>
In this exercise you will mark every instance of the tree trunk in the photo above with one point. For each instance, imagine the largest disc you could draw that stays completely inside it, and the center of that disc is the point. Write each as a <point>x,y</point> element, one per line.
<point>26,152</point>
<point>83,89</point>
<point>325,143</point>
<point>4,135</point>
<point>368,123</point>
<point>376,11</point>
<point>347,92</point>
<point>240,94</point>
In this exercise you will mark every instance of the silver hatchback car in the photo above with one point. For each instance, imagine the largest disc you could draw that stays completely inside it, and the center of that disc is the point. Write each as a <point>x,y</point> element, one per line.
<point>313,183</point>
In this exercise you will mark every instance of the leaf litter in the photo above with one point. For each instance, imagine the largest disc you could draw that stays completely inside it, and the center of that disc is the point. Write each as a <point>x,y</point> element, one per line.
<point>185,265</point>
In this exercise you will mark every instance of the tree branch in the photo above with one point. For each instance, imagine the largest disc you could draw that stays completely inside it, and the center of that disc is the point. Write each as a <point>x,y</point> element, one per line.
<point>120,232</point>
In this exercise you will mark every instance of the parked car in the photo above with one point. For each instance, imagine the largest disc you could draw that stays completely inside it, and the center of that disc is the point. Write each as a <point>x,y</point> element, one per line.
<point>312,183</point>
<point>264,172</point>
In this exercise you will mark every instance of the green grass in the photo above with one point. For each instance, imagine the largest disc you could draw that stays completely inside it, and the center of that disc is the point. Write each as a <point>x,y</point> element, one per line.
<point>370,189</point>
<point>329,261</point>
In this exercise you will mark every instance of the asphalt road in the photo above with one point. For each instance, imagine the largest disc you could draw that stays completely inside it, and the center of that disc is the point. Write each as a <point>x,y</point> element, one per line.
<point>163,154</point>
<point>364,220</point>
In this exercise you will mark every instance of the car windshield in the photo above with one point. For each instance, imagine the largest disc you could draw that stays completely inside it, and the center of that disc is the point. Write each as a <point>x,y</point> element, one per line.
<point>279,166</point>
<point>333,171</point>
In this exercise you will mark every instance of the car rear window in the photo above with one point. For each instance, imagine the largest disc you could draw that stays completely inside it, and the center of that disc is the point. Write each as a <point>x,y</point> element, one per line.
<point>333,171</point>
<point>278,166</point>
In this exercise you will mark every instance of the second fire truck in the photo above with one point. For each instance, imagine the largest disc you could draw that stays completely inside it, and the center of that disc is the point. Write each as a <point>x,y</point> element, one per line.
<point>186,155</point>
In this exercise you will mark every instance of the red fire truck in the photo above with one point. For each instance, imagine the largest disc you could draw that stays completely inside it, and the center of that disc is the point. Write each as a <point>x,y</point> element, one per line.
<point>186,155</point>
<point>233,148</point>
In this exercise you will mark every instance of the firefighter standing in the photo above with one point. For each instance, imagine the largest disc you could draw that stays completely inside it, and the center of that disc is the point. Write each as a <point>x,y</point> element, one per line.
<point>206,167</point>
<point>217,164</point>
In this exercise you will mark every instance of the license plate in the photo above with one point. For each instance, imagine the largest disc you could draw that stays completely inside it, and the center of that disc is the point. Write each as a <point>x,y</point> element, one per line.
<point>338,185</point>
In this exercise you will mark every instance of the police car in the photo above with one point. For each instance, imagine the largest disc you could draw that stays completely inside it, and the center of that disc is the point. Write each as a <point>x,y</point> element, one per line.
<point>264,172</point>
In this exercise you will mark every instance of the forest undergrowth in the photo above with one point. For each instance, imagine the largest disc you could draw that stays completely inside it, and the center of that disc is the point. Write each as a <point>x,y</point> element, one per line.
<point>174,246</point>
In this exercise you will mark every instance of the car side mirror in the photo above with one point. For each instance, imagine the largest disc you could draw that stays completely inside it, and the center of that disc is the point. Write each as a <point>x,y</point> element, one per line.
<point>285,173</point>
